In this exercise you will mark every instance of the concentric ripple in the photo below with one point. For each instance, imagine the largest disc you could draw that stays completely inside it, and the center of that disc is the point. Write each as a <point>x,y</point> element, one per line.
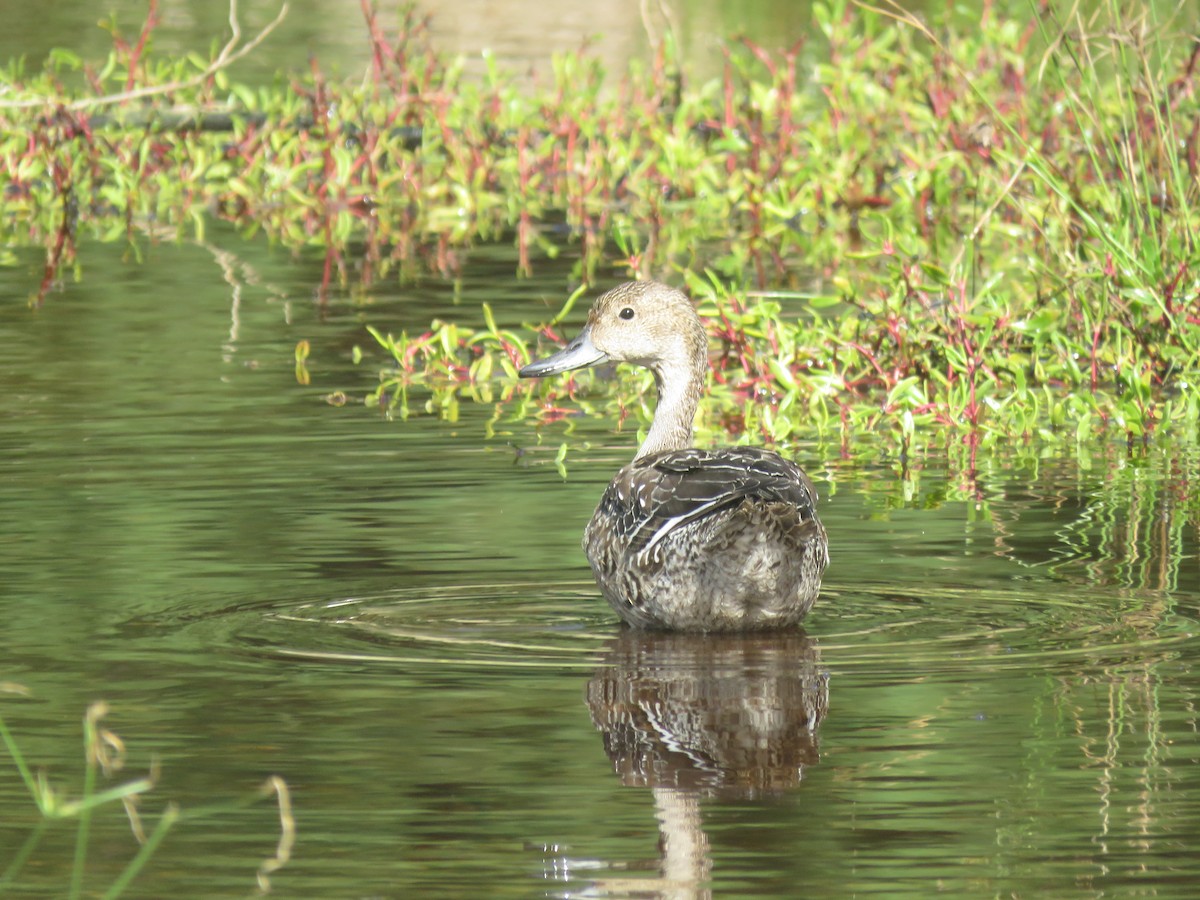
<point>566,625</point>
<point>947,629</point>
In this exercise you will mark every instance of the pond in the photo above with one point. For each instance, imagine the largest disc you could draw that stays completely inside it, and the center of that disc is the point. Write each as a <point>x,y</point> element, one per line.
<point>996,694</point>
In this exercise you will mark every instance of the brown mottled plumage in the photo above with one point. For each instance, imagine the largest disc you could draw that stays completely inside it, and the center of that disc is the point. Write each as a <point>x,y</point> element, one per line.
<point>689,539</point>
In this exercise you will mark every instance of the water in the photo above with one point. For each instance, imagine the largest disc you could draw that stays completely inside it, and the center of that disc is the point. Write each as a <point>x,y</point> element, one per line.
<point>520,35</point>
<point>996,694</point>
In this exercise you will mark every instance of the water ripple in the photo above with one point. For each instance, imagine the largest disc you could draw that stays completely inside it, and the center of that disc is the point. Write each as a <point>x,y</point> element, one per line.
<point>565,625</point>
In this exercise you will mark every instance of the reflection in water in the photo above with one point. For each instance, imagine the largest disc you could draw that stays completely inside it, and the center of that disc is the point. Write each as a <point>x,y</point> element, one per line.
<point>697,716</point>
<point>716,714</point>
<point>1114,517</point>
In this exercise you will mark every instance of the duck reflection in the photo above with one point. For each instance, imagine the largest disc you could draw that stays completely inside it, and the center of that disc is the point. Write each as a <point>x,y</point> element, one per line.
<point>693,717</point>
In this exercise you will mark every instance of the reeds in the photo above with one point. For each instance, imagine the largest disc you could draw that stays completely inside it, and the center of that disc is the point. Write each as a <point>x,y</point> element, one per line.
<point>104,757</point>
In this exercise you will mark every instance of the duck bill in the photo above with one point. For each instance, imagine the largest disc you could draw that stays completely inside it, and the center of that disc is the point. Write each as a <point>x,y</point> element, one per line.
<point>579,354</point>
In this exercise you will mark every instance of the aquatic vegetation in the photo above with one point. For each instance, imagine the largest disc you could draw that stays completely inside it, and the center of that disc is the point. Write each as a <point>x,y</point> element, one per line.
<point>105,755</point>
<point>964,233</point>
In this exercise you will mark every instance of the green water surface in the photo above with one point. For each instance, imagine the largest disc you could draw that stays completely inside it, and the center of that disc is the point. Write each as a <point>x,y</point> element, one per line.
<point>996,695</point>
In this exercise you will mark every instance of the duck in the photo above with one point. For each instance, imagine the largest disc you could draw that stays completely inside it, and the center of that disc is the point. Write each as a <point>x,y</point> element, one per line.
<point>686,538</point>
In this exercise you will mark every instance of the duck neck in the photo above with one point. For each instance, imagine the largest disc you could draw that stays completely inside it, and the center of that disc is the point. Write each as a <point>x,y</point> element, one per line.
<point>678,396</point>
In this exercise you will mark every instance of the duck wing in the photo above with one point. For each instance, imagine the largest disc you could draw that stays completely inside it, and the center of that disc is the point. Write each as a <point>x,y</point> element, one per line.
<point>654,495</point>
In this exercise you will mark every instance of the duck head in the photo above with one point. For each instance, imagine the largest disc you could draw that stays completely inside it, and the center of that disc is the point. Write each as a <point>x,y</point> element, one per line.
<point>641,322</point>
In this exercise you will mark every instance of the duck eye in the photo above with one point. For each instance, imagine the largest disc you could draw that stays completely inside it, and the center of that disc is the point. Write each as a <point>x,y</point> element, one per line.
<point>626,313</point>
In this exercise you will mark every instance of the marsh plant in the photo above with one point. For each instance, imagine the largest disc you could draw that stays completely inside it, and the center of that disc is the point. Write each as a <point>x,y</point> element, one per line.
<point>953,232</point>
<point>104,757</point>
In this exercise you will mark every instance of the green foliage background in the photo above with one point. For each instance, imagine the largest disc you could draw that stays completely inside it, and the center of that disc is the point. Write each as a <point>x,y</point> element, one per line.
<point>929,231</point>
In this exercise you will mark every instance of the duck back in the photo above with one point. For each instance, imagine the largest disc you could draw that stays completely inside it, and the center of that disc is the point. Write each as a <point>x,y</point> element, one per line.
<point>708,540</point>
